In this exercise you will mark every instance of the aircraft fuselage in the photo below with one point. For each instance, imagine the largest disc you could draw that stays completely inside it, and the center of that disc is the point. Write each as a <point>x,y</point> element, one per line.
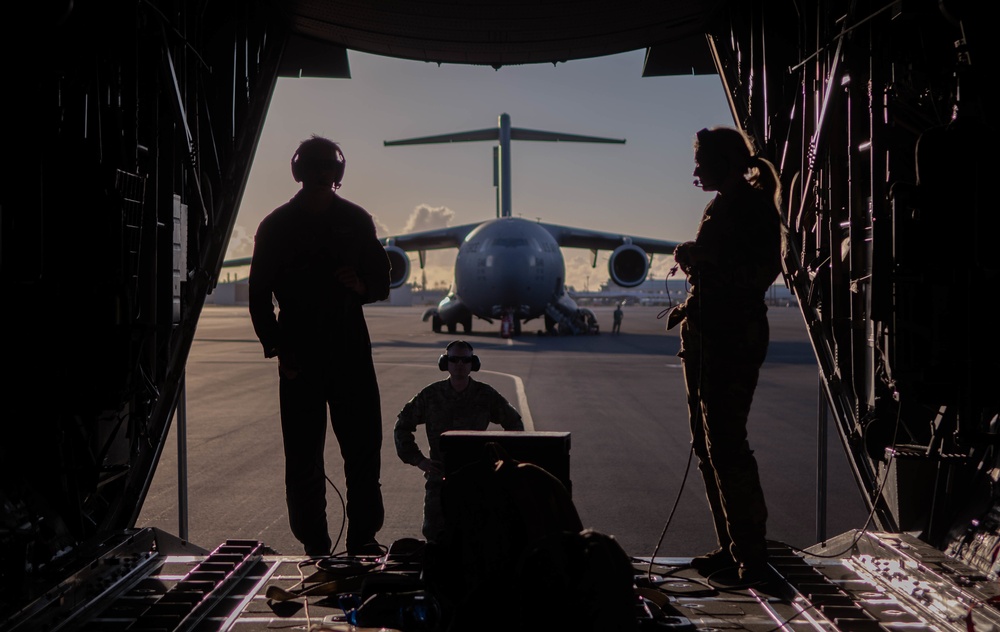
<point>509,264</point>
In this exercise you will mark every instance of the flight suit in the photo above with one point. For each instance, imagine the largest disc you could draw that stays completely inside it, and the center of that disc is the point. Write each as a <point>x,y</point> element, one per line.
<point>724,340</point>
<point>321,331</point>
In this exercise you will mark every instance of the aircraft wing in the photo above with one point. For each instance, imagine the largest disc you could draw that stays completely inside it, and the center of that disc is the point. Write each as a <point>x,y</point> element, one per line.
<point>436,239</point>
<point>570,237</point>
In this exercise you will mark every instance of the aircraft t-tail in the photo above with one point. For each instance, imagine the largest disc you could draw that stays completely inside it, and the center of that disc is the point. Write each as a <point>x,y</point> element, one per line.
<point>512,269</point>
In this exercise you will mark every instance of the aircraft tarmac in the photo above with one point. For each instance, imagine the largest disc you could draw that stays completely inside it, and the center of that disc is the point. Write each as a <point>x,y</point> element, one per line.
<point>621,398</point>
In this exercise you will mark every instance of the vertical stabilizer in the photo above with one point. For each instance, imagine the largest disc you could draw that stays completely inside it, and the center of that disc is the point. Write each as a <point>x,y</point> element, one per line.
<point>504,134</point>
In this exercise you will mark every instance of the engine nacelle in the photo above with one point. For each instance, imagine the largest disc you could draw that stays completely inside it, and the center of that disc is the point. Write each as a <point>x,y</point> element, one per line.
<point>400,263</point>
<point>628,265</point>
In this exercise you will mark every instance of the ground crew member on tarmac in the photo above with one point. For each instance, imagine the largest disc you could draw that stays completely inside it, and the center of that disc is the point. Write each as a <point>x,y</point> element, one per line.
<point>457,403</point>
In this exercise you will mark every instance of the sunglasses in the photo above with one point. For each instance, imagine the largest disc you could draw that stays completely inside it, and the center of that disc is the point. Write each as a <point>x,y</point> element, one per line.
<point>462,359</point>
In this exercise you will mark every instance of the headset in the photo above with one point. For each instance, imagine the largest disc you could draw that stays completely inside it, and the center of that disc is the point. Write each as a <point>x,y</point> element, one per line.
<point>443,359</point>
<point>301,165</point>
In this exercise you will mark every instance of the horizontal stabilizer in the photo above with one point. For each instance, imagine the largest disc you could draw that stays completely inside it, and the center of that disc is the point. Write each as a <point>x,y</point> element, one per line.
<point>519,133</point>
<point>457,137</point>
<point>516,133</point>
<point>503,134</point>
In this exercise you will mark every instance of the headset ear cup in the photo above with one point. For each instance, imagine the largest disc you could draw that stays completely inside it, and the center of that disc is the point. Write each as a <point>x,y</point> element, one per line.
<point>443,362</point>
<point>338,176</point>
<point>338,172</point>
<point>475,363</point>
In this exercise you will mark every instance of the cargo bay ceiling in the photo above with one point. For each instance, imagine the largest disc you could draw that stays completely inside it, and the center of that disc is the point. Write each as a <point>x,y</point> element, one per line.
<point>502,33</point>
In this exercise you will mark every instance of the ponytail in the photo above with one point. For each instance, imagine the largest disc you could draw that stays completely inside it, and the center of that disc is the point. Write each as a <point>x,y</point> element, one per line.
<point>736,148</point>
<point>764,176</point>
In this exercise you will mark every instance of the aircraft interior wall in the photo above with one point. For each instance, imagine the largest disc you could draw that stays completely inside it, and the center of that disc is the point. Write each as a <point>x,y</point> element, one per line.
<point>130,156</point>
<point>875,129</point>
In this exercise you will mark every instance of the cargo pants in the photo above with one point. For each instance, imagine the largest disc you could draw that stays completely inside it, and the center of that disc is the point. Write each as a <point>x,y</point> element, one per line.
<point>720,376</point>
<point>351,396</point>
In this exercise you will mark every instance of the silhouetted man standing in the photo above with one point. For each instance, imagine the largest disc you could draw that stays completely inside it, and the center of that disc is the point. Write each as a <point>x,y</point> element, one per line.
<point>319,258</point>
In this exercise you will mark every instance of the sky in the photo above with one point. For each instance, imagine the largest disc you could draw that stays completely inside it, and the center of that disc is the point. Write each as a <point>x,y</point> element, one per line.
<point>643,187</point>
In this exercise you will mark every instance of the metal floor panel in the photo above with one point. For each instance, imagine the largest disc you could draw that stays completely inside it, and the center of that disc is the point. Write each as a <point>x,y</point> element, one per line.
<point>856,582</point>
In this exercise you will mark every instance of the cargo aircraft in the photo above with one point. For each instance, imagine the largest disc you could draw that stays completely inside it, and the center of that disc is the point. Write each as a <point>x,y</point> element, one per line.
<point>509,268</point>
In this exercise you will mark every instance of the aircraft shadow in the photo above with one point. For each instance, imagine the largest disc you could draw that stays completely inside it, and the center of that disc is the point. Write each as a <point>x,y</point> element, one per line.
<point>779,352</point>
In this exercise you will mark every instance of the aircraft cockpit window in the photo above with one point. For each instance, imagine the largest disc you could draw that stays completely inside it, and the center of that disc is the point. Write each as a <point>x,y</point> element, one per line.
<point>510,242</point>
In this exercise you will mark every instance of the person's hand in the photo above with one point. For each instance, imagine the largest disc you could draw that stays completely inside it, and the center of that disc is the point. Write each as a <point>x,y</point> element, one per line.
<point>429,466</point>
<point>675,315</point>
<point>348,276</point>
<point>684,256</point>
<point>288,365</point>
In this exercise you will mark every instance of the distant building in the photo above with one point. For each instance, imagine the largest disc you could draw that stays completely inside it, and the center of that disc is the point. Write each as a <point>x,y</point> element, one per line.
<point>649,292</point>
<point>230,293</point>
<point>665,292</point>
<point>237,292</point>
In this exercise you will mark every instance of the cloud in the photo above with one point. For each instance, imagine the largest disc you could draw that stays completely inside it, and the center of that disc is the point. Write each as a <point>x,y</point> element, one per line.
<point>380,229</point>
<point>579,274</point>
<point>440,264</point>
<point>426,217</point>
<point>240,243</point>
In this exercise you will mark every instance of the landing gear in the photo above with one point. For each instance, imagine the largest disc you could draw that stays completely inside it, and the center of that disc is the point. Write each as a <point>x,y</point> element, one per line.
<point>439,324</point>
<point>509,326</point>
<point>550,325</point>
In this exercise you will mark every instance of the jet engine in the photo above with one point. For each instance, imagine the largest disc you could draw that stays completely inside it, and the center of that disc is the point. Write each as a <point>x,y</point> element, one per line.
<point>628,265</point>
<point>400,262</point>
